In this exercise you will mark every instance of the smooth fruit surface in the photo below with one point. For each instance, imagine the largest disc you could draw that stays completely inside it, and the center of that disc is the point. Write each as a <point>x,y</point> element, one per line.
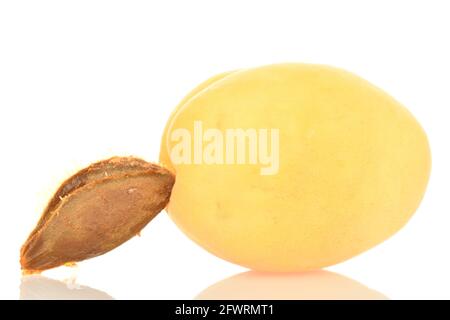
<point>353,168</point>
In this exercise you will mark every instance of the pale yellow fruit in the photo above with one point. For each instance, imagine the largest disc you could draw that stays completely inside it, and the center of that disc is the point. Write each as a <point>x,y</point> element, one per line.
<point>353,167</point>
<point>164,155</point>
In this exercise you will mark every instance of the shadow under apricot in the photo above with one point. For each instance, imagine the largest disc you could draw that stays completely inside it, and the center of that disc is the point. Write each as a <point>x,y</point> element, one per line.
<point>314,285</point>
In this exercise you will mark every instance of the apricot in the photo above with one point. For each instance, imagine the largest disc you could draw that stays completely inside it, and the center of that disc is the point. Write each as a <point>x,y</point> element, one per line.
<point>293,167</point>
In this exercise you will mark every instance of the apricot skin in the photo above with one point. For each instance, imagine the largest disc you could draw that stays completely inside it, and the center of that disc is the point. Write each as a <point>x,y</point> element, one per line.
<point>354,165</point>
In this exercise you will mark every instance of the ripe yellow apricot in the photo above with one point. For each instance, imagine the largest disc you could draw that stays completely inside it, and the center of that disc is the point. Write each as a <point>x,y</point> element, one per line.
<point>331,166</point>
<point>164,155</point>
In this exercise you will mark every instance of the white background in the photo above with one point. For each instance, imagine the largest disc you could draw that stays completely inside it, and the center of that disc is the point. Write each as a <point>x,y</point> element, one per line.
<point>85,80</point>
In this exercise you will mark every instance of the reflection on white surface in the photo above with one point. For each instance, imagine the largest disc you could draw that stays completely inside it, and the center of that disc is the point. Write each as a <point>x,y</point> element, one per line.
<point>37,287</point>
<point>314,285</point>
